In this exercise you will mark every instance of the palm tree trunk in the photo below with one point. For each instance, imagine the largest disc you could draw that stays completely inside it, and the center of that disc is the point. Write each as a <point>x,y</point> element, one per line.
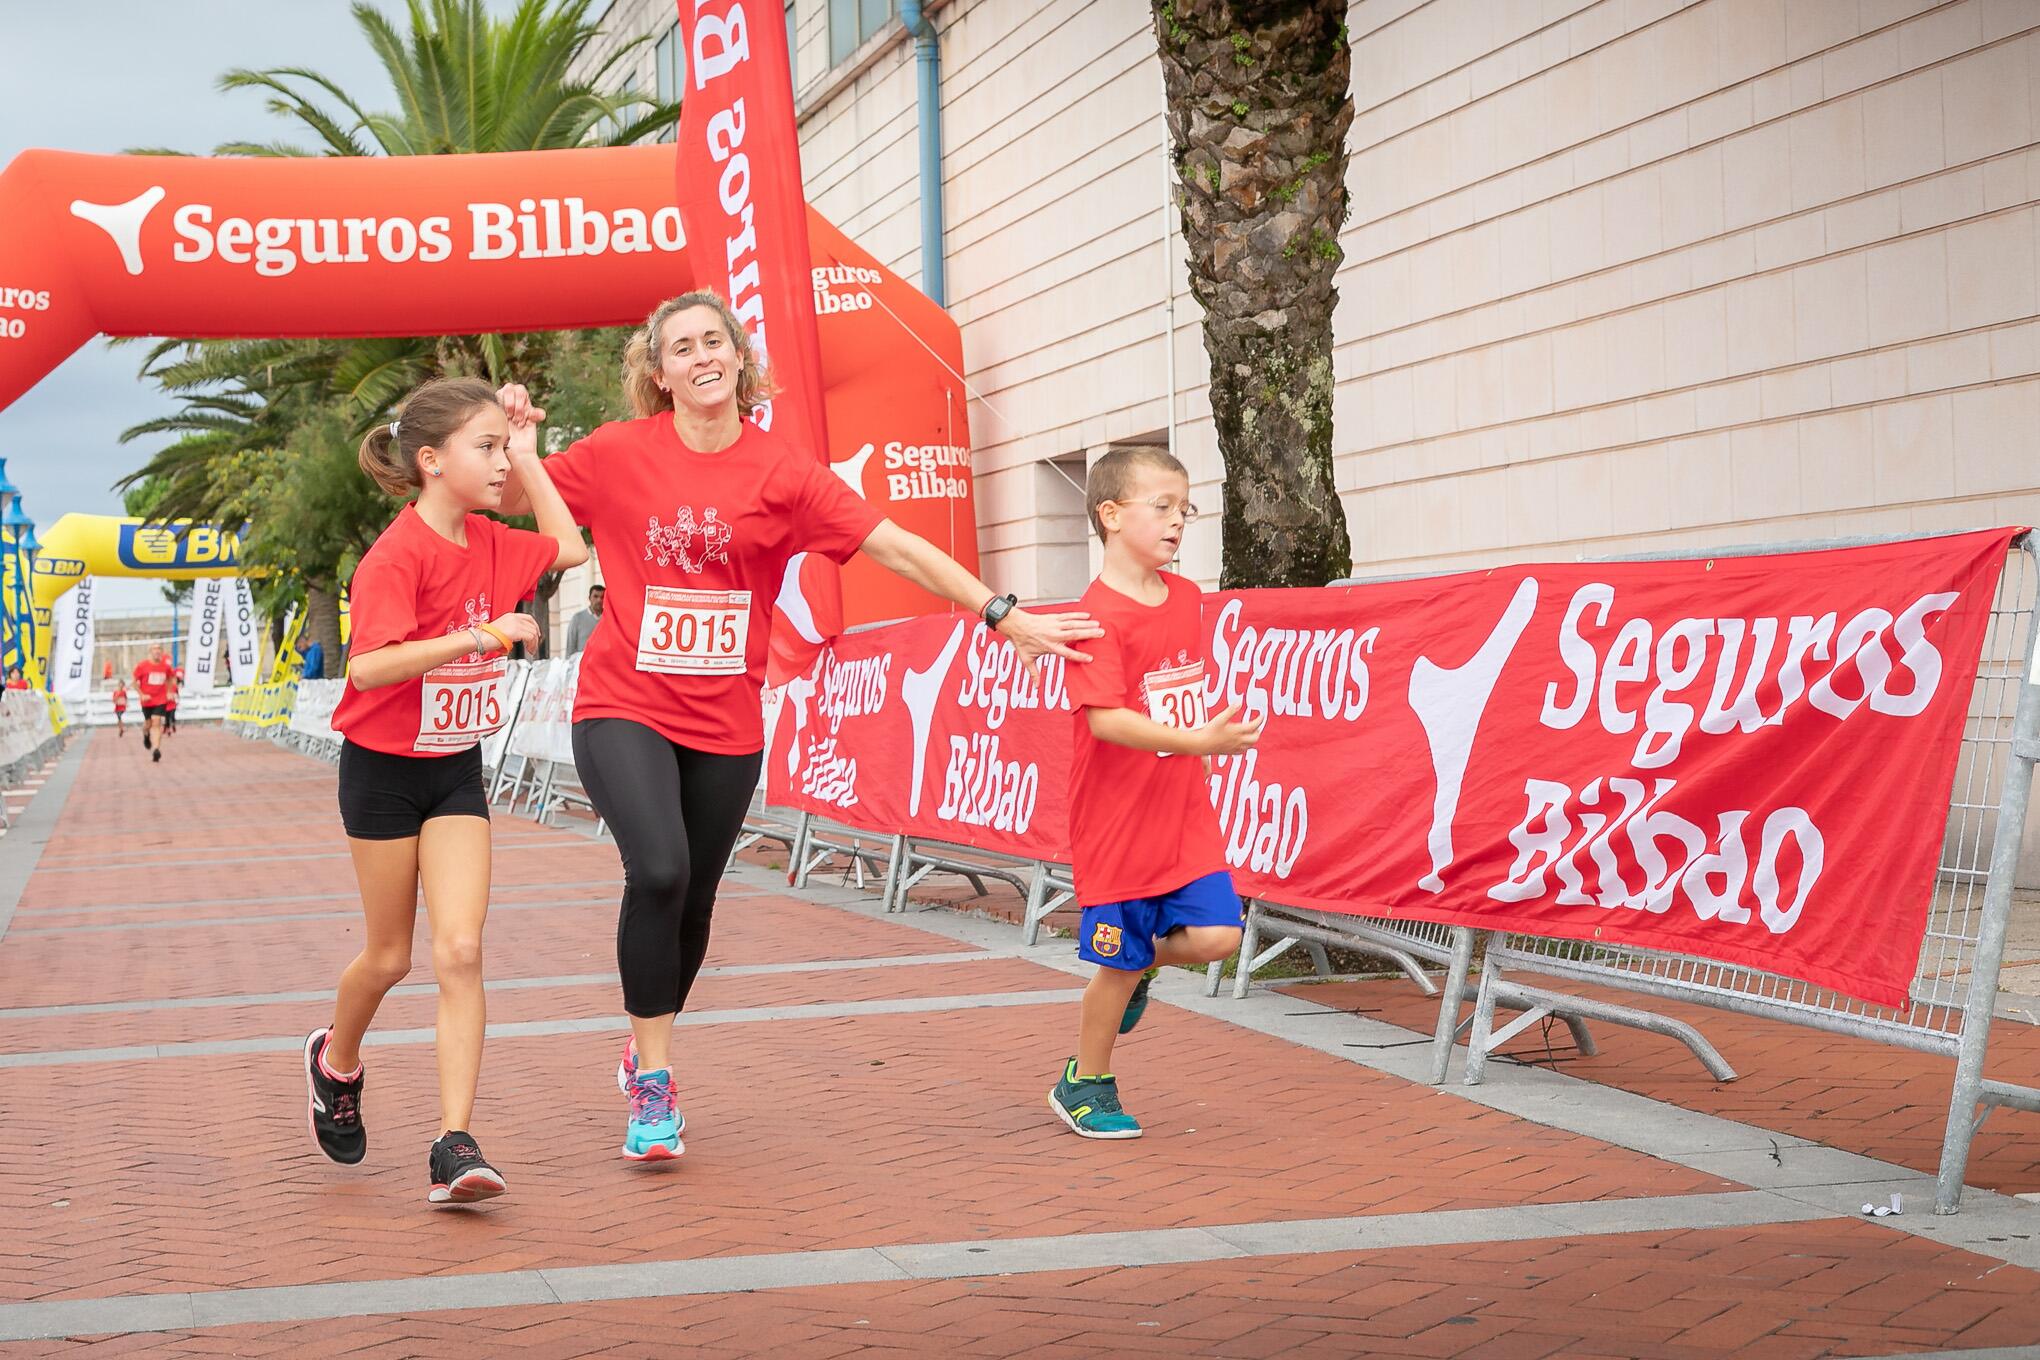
<point>1258,107</point>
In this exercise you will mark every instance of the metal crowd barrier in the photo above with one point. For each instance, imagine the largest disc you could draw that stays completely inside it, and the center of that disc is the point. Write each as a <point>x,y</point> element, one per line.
<point>765,822</point>
<point>15,773</point>
<point>817,840</point>
<point>1410,945</point>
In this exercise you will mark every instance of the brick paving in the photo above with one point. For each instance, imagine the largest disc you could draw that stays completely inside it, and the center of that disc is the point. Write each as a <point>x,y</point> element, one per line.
<point>189,1172</point>
<point>1778,1292</point>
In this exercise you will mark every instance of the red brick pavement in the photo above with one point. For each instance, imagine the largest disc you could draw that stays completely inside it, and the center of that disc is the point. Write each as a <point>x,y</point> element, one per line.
<point>1884,1102</point>
<point>711,993</point>
<point>1783,1292</point>
<point>804,1134</point>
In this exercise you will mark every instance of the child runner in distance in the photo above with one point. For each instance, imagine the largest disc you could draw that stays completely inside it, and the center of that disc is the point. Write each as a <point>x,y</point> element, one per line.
<point>120,707</point>
<point>1147,856</point>
<point>422,692</point>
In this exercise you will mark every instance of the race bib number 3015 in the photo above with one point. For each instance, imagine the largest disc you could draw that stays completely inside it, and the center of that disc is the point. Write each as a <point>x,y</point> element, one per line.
<point>694,632</point>
<point>460,705</point>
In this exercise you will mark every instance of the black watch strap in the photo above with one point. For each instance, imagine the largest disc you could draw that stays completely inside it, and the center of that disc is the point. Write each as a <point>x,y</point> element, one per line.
<point>997,608</point>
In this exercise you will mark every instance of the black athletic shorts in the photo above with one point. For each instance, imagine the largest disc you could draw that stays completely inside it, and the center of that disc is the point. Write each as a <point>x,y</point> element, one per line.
<point>387,798</point>
<point>155,710</point>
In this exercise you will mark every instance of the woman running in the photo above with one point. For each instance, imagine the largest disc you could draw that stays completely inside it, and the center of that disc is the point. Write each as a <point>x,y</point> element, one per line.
<point>695,512</point>
<point>422,692</point>
<point>120,707</point>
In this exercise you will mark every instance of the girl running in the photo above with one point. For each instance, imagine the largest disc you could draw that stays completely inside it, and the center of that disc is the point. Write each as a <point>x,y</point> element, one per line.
<point>422,692</point>
<point>696,512</point>
<point>120,707</point>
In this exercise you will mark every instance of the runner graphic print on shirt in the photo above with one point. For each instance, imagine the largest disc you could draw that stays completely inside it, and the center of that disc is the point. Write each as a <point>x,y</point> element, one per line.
<point>674,544</point>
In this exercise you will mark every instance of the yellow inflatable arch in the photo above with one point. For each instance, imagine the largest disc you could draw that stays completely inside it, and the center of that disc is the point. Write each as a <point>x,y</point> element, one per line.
<point>77,546</point>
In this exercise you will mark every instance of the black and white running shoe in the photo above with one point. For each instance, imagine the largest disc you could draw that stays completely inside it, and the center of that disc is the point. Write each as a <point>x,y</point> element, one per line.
<point>460,1174</point>
<point>334,1110</point>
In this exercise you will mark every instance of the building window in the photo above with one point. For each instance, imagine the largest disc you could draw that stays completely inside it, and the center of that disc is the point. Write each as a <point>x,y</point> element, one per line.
<point>1062,554</point>
<point>666,73</point>
<point>852,22</point>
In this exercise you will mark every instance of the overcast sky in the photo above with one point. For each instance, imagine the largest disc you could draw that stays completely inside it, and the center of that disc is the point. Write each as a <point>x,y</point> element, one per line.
<point>107,76</point>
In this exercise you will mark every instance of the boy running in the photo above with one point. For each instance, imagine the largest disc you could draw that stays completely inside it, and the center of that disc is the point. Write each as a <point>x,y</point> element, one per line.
<point>1148,859</point>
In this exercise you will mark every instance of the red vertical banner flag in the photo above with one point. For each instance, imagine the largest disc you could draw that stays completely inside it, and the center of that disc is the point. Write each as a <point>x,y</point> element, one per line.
<point>744,211</point>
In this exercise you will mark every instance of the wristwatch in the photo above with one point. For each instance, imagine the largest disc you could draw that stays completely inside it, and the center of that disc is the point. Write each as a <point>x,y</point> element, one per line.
<point>997,608</point>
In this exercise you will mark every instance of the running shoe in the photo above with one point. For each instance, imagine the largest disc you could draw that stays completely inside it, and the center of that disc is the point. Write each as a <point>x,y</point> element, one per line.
<point>157,754</point>
<point>1136,1005</point>
<point>1090,1105</point>
<point>334,1110</point>
<point>654,1131</point>
<point>145,738</point>
<point>460,1174</point>
<point>626,1072</point>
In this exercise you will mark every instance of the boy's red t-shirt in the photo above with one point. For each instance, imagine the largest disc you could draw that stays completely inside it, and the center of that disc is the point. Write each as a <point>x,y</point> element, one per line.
<point>693,549</point>
<point>152,681</point>
<point>413,584</point>
<point>1141,824</point>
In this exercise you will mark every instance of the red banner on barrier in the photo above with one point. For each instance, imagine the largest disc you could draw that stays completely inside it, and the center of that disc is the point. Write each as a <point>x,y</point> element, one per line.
<point>1742,758</point>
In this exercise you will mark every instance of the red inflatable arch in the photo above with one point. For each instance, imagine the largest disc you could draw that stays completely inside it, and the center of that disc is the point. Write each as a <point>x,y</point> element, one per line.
<point>427,245</point>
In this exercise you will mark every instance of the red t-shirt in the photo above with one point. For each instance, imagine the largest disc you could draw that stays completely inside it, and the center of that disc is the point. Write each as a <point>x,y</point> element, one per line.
<point>693,548</point>
<point>152,680</point>
<point>413,584</point>
<point>120,701</point>
<point>1141,824</point>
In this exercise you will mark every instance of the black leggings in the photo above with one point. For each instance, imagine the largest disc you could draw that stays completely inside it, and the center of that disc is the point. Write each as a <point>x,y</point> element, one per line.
<point>647,788</point>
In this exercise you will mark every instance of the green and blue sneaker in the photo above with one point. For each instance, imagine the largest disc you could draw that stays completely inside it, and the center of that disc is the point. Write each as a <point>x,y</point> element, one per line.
<point>1136,1005</point>
<point>654,1131</point>
<point>1090,1105</point>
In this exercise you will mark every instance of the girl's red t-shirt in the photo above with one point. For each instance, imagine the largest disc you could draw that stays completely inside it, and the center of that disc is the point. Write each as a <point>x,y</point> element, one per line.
<point>693,549</point>
<point>1141,824</point>
<point>413,584</point>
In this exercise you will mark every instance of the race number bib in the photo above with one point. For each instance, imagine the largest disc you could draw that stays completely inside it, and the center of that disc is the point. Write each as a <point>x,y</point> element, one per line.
<point>694,632</point>
<point>1176,696</point>
<point>460,705</point>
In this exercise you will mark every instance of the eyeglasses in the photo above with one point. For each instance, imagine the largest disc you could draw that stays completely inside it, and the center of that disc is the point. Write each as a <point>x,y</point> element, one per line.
<point>1166,507</point>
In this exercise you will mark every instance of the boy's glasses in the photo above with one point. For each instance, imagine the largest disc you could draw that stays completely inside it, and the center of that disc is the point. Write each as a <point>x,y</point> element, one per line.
<point>1166,507</point>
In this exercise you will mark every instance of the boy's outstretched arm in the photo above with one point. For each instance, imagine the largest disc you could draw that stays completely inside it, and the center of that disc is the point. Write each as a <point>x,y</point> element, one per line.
<point>1223,735</point>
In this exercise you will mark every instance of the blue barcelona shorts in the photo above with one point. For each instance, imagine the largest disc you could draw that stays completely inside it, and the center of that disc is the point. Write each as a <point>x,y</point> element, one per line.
<point>1123,934</point>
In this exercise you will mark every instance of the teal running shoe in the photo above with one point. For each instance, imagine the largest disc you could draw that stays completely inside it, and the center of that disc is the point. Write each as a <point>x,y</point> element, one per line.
<point>654,1131</point>
<point>1136,1005</point>
<point>626,1072</point>
<point>1090,1106</point>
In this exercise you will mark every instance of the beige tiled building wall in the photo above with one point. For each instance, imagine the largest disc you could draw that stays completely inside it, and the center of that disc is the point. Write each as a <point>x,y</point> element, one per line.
<point>1620,274</point>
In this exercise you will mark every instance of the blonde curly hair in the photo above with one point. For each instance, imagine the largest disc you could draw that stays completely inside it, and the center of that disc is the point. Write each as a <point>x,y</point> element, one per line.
<point>641,357</point>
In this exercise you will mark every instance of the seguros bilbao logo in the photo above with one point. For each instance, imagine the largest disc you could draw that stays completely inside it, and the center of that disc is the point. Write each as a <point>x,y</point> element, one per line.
<point>530,229</point>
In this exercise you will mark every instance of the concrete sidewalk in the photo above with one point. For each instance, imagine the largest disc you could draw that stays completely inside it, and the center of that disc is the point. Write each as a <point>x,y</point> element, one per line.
<point>871,1167</point>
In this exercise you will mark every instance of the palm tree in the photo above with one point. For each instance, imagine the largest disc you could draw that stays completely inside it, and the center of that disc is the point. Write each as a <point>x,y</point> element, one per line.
<point>1258,108</point>
<point>464,82</point>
